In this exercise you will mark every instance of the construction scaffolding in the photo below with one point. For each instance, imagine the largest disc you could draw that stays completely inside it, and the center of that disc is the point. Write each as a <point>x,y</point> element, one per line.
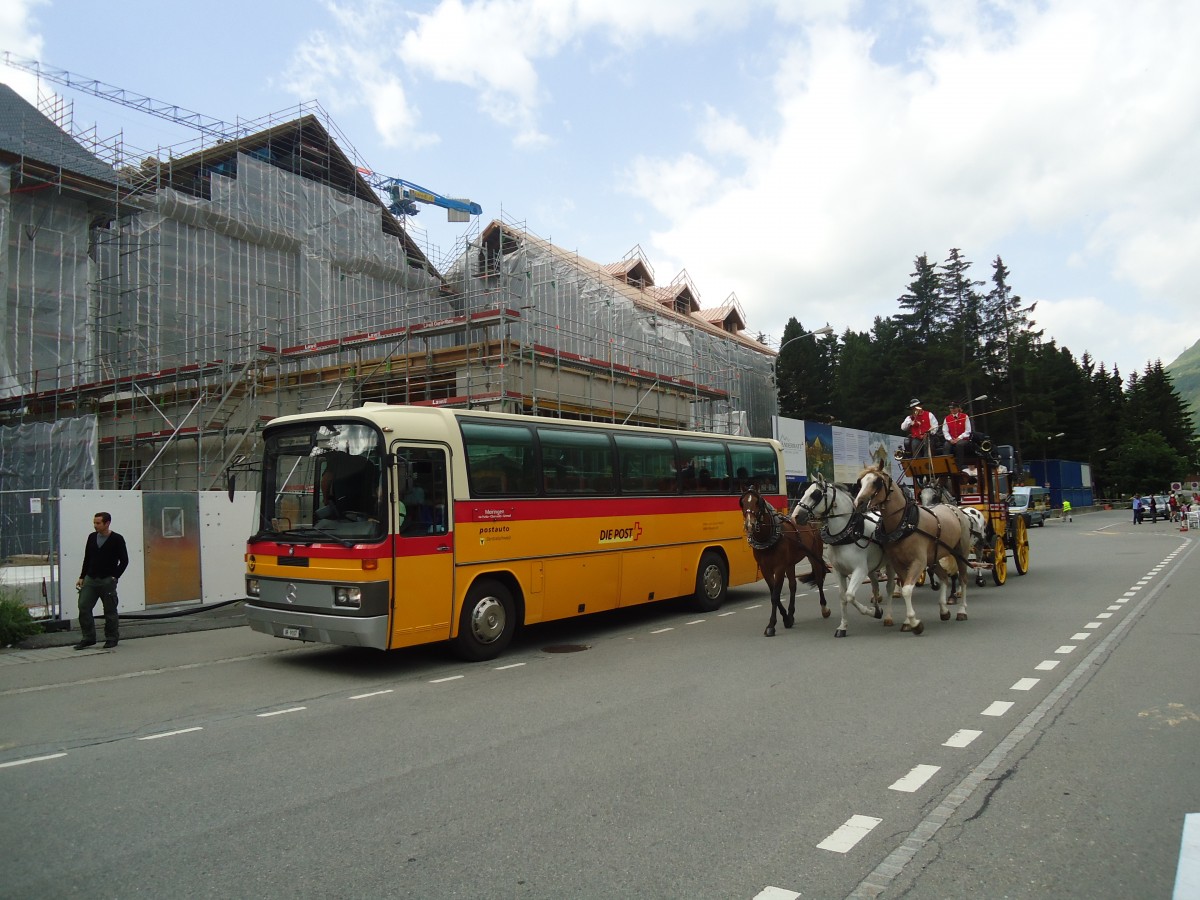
<point>174,302</point>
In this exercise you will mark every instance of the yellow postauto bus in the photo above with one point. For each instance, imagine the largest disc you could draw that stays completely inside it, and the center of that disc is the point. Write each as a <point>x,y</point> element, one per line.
<point>391,526</point>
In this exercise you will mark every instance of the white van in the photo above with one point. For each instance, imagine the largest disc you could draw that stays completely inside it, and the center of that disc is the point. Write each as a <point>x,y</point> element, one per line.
<point>1030,501</point>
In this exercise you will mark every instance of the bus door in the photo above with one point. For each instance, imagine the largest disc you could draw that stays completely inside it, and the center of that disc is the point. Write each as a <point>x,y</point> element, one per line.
<point>422,544</point>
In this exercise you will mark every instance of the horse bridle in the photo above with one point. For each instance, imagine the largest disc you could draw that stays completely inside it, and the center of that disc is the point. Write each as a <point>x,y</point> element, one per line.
<point>855,527</point>
<point>762,517</point>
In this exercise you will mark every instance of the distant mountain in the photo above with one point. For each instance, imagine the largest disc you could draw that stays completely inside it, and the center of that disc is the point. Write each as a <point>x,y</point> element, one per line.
<point>1185,376</point>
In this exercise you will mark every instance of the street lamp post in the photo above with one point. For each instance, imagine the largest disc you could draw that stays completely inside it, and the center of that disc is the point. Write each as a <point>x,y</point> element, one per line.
<point>1046,459</point>
<point>826,330</point>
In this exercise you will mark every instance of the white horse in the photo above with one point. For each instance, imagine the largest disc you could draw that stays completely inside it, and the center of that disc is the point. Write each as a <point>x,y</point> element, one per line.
<point>854,554</point>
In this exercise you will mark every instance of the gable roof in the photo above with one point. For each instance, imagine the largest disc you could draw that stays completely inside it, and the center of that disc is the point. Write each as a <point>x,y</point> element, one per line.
<point>26,133</point>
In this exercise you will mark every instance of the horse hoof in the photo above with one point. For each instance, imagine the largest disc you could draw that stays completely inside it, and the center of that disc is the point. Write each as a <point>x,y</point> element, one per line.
<point>888,623</point>
<point>945,616</point>
<point>878,613</point>
<point>824,612</point>
<point>789,621</point>
<point>906,627</point>
<point>919,628</point>
<point>961,617</point>
<point>841,632</point>
<point>896,593</point>
<point>951,601</point>
<point>770,632</point>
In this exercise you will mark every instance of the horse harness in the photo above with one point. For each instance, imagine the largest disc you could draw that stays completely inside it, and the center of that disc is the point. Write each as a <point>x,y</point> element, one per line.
<point>909,525</point>
<point>853,533</point>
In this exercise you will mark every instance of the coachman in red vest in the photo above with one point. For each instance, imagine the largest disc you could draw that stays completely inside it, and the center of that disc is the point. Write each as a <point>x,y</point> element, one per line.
<point>920,424</point>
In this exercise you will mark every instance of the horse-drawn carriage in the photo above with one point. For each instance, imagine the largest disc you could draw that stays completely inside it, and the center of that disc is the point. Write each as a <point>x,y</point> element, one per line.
<point>980,485</point>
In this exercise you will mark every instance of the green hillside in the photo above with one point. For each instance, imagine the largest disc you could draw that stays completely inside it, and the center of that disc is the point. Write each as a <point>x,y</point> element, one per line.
<point>1185,376</point>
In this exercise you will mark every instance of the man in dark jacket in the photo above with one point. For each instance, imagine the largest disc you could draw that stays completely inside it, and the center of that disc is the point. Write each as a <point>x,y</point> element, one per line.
<point>105,559</point>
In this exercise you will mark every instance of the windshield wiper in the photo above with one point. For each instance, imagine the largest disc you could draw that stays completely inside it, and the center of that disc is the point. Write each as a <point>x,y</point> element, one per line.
<point>309,530</point>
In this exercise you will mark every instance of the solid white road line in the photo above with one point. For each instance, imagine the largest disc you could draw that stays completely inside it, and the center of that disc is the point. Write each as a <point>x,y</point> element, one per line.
<point>962,738</point>
<point>854,830</point>
<point>155,737</point>
<point>31,759</point>
<point>915,779</point>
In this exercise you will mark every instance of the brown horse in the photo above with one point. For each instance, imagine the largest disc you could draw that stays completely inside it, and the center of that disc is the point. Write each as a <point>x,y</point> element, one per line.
<point>916,538</point>
<point>778,544</point>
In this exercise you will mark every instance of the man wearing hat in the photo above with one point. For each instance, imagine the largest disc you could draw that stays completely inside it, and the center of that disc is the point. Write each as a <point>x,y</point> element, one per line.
<point>920,424</point>
<point>956,429</point>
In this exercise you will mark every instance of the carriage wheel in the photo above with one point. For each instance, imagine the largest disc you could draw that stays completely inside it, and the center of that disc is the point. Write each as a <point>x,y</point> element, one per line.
<point>999,561</point>
<point>712,582</point>
<point>1021,547</point>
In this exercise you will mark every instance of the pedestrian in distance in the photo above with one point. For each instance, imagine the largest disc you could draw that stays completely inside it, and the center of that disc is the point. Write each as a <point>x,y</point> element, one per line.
<point>1153,510</point>
<point>105,559</point>
<point>1067,511</point>
<point>1137,509</point>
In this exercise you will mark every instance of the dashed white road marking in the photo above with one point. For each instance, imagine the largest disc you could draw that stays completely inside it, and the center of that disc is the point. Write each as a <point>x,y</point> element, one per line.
<point>1025,684</point>
<point>695,622</point>
<point>854,830</point>
<point>732,612</point>
<point>774,893</point>
<point>31,759</point>
<point>164,734</point>
<point>915,779</point>
<point>662,630</point>
<point>1080,636</point>
<point>1066,648</point>
<point>447,678</point>
<point>999,708</point>
<point>281,712</point>
<point>1104,615</point>
<point>1187,873</point>
<point>371,694</point>
<point>1114,607</point>
<point>1047,664</point>
<point>962,738</point>
<point>509,666</point>
<point>1093,625</point>
<point>755,606</point>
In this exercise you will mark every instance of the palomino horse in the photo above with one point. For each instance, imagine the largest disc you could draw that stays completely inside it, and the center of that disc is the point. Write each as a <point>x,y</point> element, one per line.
<point>915,538</point>
<point>854,552</point>
<point>778,544</point>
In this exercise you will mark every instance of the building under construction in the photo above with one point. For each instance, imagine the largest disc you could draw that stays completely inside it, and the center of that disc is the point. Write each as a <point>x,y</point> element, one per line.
<point>160,307</point>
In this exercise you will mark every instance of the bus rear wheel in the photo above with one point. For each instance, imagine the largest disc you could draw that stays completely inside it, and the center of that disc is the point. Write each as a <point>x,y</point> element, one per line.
<point>712,582</point>
<point>487,622</point>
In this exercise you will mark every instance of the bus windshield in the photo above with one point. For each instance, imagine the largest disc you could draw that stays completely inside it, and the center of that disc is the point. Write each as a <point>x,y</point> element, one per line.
<point>323,481</point>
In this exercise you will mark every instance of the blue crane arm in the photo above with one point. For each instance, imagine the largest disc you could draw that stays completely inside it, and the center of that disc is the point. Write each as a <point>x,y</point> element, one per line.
<point>403,193</point>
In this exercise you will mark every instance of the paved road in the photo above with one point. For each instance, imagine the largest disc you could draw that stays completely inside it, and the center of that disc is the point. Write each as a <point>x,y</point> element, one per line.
<point>1044,748</point>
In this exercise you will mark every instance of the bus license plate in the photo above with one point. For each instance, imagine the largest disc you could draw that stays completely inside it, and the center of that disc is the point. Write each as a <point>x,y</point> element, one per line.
<point>291,632</point>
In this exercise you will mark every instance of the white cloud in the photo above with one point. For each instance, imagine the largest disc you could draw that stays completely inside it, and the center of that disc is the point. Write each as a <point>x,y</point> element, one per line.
<point>1066,117</point>
<point>20,35</point>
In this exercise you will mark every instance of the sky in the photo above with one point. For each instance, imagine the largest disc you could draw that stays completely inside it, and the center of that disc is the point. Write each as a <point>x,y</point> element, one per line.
<point>798,154</point>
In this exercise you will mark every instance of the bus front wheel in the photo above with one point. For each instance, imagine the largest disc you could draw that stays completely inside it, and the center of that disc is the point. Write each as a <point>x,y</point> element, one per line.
<point>487,622</point>
<point>712,582</point>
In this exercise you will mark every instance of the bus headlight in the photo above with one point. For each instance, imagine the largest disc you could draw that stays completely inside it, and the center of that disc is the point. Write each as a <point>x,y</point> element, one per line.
<point>252,587</point>
<point>347,596</point>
